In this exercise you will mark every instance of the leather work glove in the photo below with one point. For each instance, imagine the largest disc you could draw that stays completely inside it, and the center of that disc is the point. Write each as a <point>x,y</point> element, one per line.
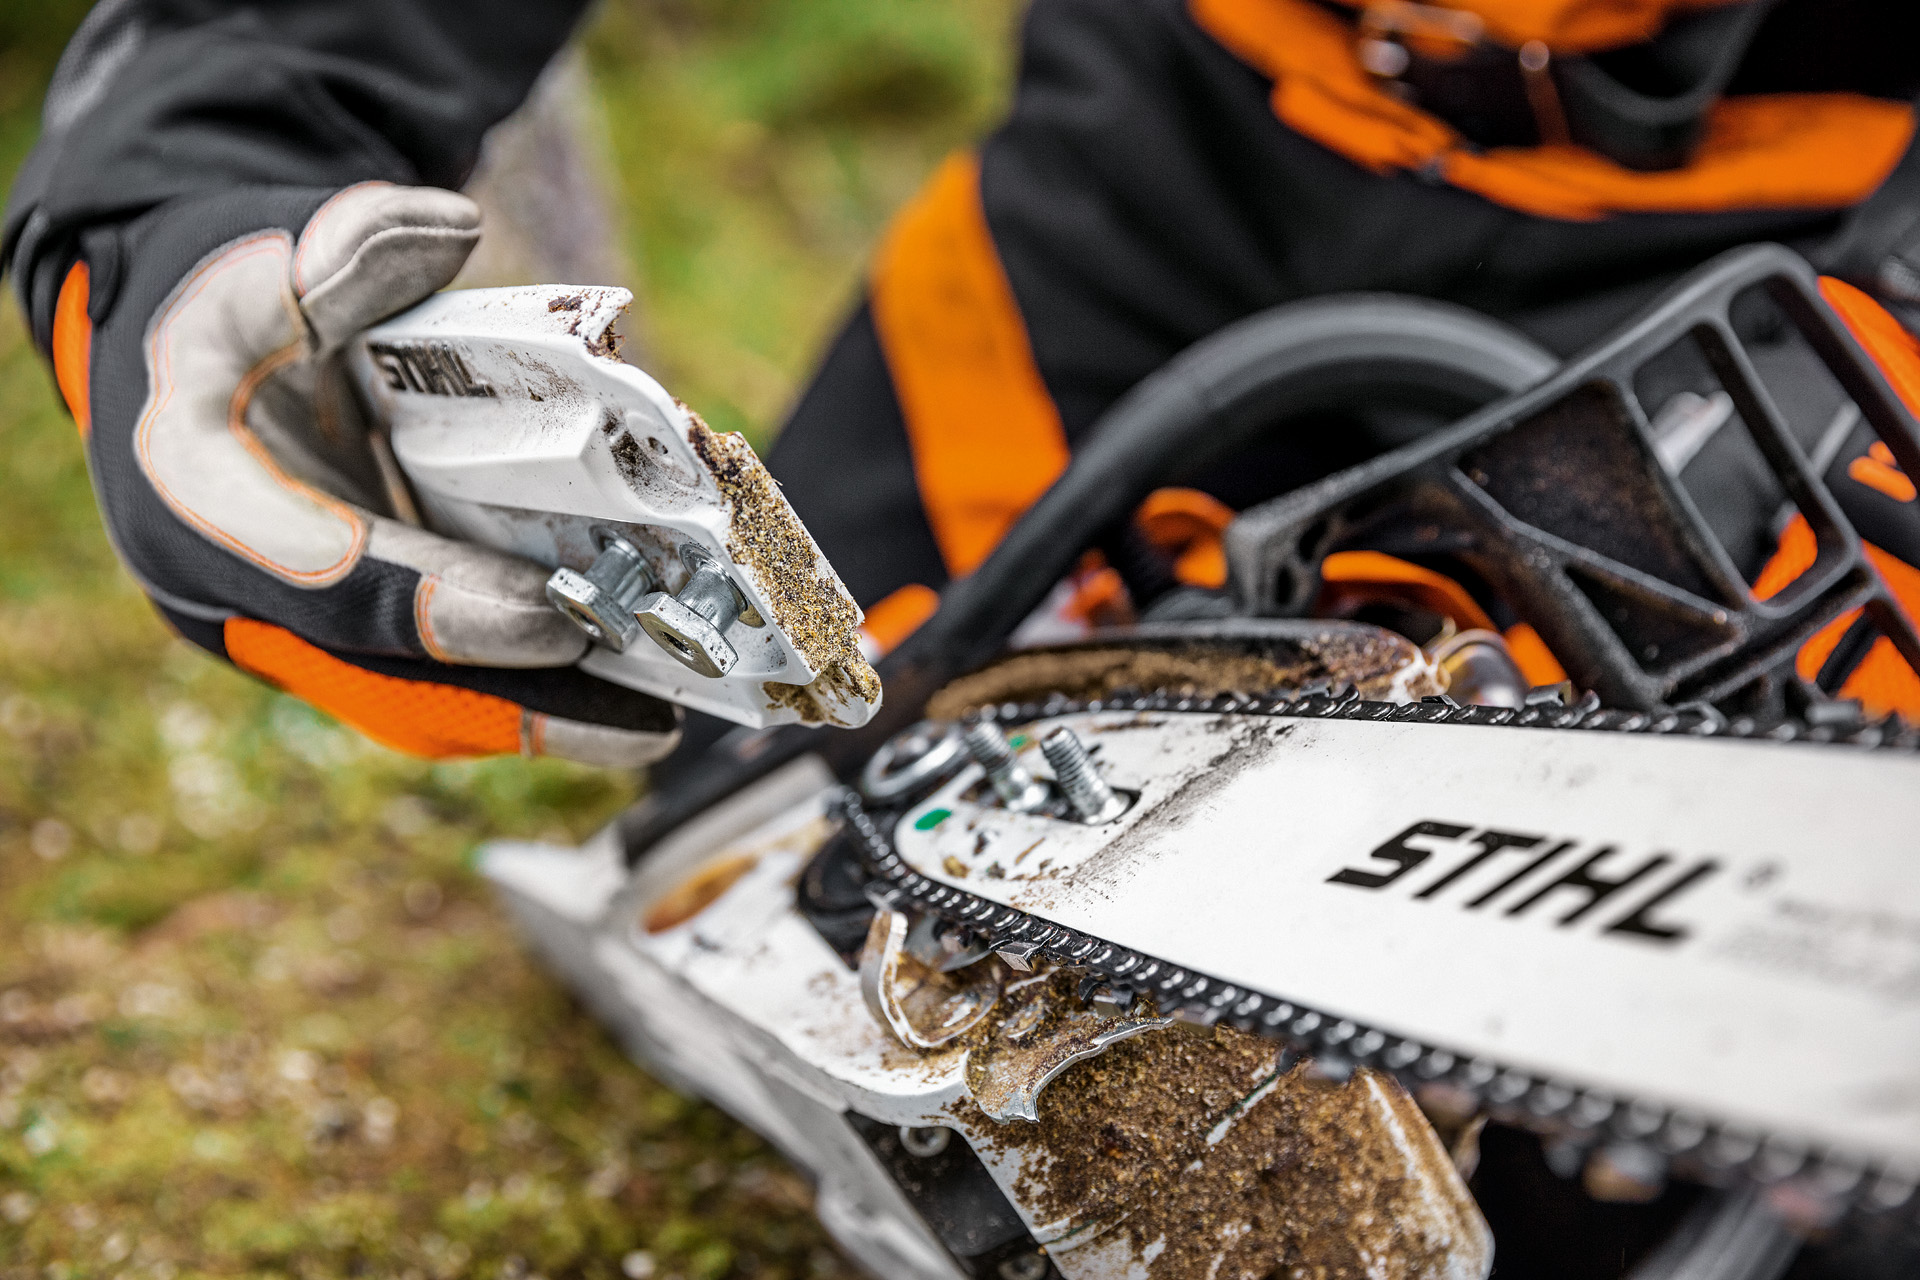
<point>196,346</point>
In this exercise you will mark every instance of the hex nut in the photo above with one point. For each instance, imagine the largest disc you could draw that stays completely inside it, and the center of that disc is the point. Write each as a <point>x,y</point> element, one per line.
<point>686,636</point>
<point>593,610</point>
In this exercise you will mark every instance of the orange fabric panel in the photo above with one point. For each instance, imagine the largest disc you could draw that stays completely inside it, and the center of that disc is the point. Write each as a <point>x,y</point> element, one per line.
<point>899,616</point>
<point>1777,151</point>
<point>73,346</point>
<point>1402,579</point>
<point>1319,87</point>
<point>1188,525</point>
<point>1822,150</point>
<point>414,716</point>
<point>986,438</point>
<point>1885,339</point>
<point>1883,681</point>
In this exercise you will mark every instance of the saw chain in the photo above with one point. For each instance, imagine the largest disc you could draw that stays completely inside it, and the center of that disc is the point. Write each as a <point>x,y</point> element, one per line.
<point>1818,1186</point>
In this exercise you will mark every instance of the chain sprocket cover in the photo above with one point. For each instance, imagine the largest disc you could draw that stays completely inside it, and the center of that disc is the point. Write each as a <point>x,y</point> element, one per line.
<point>518,426</point>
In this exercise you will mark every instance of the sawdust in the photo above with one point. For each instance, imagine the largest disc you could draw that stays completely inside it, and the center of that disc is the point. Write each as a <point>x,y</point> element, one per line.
<point>1365,657</point>
<point>797,698</point>
<point>807,601</point>
<point>1208,1162</point>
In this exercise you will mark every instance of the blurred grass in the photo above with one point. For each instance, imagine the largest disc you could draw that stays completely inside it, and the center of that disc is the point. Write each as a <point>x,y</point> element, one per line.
<point>761,146</point>
<point>257,1016</point>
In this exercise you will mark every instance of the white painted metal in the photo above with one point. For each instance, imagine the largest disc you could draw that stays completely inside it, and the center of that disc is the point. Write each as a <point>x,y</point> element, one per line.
<point>747,1006</point>
<point>1790,1002</point>
<point>720,1019</point>
<point>529,435</point>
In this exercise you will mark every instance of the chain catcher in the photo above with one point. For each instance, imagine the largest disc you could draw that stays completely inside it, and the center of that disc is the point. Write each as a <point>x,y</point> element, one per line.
<point>1710,1151</point>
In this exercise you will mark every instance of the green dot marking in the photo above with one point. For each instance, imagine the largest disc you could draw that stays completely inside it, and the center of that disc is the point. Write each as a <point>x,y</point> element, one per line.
<point>1018,741</point>
<point>931,819</point>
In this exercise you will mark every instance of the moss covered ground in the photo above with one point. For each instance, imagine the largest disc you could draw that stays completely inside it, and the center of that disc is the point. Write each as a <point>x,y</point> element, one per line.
<point>257,1014</point>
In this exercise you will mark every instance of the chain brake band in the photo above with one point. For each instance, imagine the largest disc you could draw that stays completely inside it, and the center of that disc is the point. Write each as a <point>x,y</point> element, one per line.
<point>1699,1147</point>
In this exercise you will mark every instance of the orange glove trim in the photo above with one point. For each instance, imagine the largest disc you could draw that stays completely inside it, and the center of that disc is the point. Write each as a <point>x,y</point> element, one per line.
<point>1792,150</point>
<point>73,346</point>
<point>986,437</point>
<point>415,716</point>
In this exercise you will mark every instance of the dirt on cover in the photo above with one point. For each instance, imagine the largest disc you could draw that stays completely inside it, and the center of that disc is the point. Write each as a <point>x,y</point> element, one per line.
<point>1197,1156</point>
<point>1375,662</point>
<point>808,603</point>
<point>605,343</point>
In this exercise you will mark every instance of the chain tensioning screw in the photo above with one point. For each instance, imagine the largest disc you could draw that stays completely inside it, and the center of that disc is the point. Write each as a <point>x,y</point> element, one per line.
<point>1019,790</point>
<point>1093,801</point>
<point>692,624</point>
<point>602,601</point>
<point>1024,1266</point>
<point>924,1144</point>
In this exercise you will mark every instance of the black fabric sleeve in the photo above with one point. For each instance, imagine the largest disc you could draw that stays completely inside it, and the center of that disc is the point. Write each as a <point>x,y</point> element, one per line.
<point>157,99</point>
<point>844,461</point>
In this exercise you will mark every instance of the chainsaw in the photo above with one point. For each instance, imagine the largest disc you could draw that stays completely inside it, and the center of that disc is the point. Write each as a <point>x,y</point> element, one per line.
<point>1301,925</point>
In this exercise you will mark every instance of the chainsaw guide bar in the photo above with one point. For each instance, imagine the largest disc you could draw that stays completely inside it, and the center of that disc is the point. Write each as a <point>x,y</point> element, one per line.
<point>1693,974</point>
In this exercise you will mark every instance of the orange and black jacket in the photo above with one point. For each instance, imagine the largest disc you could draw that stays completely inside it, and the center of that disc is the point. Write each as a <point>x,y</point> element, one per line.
<point>1168,167</point>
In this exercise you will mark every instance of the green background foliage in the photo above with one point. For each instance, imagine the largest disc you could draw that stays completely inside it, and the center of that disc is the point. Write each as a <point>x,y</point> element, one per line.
<point>257,1014</point>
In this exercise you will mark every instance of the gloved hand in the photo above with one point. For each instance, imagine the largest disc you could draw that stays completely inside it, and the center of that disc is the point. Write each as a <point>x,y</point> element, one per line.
<point>197,347</point>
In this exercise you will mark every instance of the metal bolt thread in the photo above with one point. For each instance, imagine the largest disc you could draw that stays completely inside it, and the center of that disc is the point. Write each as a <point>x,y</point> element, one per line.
<point>1092,799</point>
<point>710,592</point>
<point>1017,788</point>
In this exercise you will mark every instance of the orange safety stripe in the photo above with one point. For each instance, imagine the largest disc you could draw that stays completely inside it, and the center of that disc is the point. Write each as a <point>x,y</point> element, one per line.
<point>1188,525</point>
<point>1801,150</point>
<point>1884,338</point>
<point>1564,26</point>
<point>899,616</point>
<point>986,438</point>
<point>414,716</point>
<point>73,346</point>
